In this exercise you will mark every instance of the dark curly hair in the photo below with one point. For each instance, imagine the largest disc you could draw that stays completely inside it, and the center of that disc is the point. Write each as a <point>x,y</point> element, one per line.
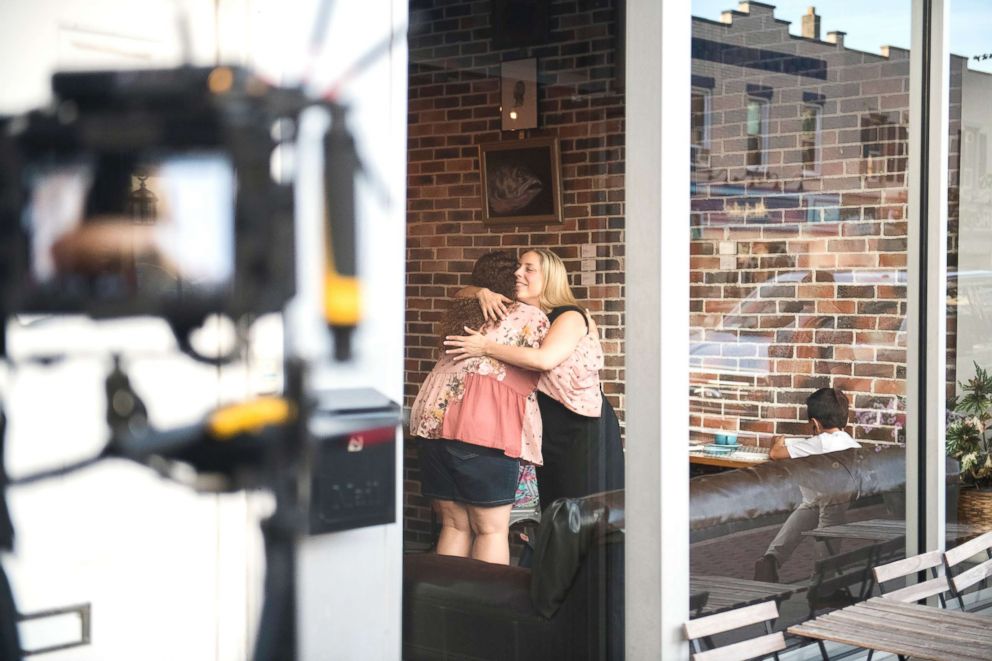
<point>494,271</point>
<point>829,406</point>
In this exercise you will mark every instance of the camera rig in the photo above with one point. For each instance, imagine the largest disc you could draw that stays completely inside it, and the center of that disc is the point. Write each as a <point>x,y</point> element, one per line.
<point>68,196</point>
<point>225,126</point>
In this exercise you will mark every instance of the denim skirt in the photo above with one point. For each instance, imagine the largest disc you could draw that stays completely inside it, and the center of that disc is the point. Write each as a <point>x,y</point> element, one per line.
<point>465,473</point>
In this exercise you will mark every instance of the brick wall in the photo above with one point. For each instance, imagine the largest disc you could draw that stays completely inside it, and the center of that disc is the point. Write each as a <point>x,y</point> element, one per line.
<point>799,273</point>
<point>454,98</point>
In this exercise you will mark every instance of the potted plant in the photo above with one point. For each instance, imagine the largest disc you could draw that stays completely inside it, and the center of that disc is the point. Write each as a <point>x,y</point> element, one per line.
<point>968,441</point>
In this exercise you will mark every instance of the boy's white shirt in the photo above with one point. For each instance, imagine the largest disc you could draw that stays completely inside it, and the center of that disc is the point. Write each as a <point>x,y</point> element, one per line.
<point>820,444</point>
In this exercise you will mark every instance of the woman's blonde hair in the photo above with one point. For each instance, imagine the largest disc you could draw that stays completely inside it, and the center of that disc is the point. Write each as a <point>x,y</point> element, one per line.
<point>556,291</point>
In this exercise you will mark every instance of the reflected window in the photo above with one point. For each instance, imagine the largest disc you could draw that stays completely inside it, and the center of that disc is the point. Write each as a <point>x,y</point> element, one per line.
<point>885,147</point>
<point>809,138</point>
<point>757,133</point>
<point>974,158</point>
<point>700,127</point>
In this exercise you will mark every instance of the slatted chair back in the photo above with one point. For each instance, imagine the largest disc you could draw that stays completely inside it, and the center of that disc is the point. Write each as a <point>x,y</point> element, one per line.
<point>962,580</point>
<point>705,627</point>
<point>842,579</point>
<point>929,562</point>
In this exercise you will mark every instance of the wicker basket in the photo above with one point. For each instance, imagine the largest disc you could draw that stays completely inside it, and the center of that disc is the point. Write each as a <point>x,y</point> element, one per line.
<point>975,507</point>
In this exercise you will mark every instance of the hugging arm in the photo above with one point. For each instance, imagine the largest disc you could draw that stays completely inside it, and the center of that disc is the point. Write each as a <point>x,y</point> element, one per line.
<point>558,344</point>
<point>493,305</point>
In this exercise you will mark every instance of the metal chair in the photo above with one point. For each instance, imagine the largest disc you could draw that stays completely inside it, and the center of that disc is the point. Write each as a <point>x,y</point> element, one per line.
<point>764,613</point>
<point>937,585</point>
<point>955,557</point>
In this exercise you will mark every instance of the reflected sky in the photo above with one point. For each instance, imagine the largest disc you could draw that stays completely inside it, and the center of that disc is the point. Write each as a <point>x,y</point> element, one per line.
<point>870,25</point>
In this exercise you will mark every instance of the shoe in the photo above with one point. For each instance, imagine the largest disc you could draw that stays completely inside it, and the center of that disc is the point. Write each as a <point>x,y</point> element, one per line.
<point>836,599</point>
<point>766,569</point>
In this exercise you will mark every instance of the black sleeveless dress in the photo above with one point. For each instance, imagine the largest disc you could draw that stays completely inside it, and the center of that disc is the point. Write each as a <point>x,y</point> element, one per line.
<point>582,455</point>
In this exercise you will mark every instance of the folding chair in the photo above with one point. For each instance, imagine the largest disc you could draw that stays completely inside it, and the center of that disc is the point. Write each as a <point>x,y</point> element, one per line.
<point>968,577</point>
<point>834,578</point>
<point>937,585</point>
<point>752,648</point>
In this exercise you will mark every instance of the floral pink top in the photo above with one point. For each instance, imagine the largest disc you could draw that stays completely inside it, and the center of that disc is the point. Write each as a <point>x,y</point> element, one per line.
<point>483,401</point>
<point>575,381</point>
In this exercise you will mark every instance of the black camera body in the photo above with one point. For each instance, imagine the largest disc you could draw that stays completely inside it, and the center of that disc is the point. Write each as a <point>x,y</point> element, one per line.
<point>84,230</point>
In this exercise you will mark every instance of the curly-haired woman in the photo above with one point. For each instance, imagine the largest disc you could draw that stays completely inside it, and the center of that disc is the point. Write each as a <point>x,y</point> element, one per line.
<point>478,419</point>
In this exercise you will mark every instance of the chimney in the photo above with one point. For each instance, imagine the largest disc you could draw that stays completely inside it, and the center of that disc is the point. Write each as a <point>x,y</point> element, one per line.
<point>836,38</point>
<point>811,24</point>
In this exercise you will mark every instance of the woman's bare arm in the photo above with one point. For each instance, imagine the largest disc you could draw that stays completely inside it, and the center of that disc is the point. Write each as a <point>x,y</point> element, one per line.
<point>493,305</point>
<point>558,344</point>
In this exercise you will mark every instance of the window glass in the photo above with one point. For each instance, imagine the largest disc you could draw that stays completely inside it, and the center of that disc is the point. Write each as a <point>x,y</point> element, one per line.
<point>798,304</point>
<point>969,276</point>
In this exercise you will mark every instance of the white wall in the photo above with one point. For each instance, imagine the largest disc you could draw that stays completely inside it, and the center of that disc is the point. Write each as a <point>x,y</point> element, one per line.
<point>172,574</point>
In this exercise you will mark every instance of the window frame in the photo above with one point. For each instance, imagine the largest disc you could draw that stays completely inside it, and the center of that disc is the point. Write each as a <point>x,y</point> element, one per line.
<point>763,122</point>
<point>817,139</point>
<point>701,151</point>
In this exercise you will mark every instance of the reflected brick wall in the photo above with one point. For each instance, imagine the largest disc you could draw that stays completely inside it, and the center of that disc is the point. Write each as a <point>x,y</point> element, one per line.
<point>799,217</point>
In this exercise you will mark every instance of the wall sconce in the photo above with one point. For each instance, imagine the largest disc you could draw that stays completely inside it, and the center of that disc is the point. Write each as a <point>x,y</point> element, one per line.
<point>518,94</point>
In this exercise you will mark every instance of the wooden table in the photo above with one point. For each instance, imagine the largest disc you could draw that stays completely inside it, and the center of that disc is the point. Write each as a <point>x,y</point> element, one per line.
<point>884,530</point>
<point>726,592</point>
<point>923,632</point>
<point>732,460</point>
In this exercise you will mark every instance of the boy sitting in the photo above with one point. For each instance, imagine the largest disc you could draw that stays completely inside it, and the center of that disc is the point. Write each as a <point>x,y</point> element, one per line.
<point>827,410</point>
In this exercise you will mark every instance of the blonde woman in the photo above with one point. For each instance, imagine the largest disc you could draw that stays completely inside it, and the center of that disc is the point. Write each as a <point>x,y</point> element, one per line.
<point>581,439</point>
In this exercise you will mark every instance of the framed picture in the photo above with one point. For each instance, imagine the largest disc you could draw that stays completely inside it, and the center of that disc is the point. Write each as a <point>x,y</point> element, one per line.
<point>521,181</point>
<point>518,94</point>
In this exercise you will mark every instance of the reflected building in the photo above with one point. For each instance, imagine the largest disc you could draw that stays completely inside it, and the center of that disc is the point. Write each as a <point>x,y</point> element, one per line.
<point>800,149</point>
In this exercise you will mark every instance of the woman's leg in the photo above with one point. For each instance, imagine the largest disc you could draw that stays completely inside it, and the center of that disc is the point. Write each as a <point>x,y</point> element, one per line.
<point>456,531</point>
<point>491,526</point>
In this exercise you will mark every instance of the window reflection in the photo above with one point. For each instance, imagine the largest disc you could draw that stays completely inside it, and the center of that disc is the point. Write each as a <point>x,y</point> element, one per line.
<point>798,283</point>
<point>700,126</point>
<point>969,269</point>
<point>809,138</point>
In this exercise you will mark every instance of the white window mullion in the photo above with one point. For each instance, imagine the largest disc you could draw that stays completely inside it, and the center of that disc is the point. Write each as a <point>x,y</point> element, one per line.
<point>927,179</point>
<point>658,88</point>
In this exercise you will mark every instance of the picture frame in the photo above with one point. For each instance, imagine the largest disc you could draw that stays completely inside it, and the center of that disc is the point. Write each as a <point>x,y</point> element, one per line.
<point>521,181</point>
<point>518,94</point>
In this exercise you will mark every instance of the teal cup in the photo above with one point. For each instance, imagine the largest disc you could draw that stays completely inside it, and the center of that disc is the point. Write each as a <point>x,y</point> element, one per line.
<point>721,439</point>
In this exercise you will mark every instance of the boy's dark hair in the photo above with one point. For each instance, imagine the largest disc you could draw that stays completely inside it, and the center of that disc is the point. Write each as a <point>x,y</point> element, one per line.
<point>829,406</point>
<point>495,271</point>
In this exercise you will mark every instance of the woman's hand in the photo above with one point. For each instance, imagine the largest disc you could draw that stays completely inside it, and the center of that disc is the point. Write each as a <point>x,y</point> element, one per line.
<point>493,305</point>
<point>472,345</point>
